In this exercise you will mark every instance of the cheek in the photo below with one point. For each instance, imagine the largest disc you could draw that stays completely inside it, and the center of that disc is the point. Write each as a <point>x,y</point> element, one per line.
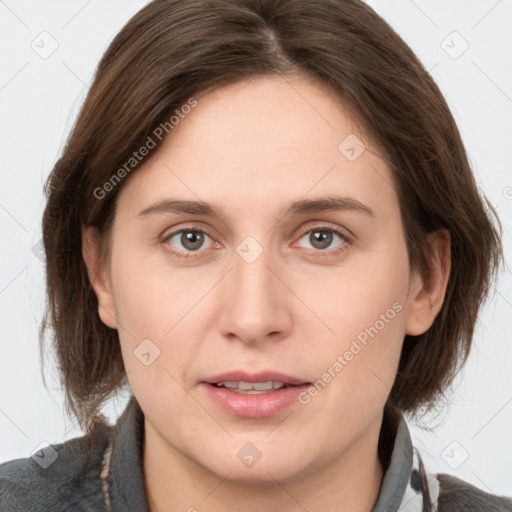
<point>365,299</point>
<point>146,308</point>
<point>355,374</point>
<point>365,350</point>
<point>365,309</point>
<point>149,296</point>
<point>157,309</point>
<point>149,313</point>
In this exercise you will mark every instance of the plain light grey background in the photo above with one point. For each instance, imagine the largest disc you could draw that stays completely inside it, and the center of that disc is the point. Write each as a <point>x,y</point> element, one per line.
<point>50,51</point>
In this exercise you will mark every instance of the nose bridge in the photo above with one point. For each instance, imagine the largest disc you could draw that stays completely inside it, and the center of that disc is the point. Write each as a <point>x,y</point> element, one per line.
<point>255,303</point>
<point>254,282</point>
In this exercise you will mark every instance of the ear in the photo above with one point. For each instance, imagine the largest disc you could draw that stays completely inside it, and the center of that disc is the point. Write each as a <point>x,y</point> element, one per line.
<point>426,295</point>
<point>98,276</point>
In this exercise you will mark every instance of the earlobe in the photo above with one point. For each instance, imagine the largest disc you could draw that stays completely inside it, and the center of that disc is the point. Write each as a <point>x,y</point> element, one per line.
<point>426,295</point>
<point>98,276</point>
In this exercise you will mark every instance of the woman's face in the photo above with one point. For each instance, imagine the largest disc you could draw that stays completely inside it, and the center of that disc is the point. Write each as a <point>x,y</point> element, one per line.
<point>278,288</point>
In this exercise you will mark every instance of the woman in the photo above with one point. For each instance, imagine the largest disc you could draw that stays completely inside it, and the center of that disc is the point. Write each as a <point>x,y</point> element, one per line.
<point>265,224</point>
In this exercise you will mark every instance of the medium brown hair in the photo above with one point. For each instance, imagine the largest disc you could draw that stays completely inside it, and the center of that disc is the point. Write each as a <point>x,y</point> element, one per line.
<point>171,51</point>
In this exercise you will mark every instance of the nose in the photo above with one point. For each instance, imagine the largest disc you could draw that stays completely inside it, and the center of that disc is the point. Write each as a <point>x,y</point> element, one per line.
<point>256,300</point>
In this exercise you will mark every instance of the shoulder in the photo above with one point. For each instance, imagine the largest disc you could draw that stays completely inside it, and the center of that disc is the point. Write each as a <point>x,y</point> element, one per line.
<point>456,495</point>
<point>64,476</point>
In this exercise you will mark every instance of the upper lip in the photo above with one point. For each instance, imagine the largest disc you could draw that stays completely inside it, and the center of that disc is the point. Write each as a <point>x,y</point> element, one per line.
<point>262,376</point>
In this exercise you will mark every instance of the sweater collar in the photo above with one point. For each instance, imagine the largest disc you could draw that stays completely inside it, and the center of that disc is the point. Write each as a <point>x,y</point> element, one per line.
<point>406,485</point>
<point>125,482</point>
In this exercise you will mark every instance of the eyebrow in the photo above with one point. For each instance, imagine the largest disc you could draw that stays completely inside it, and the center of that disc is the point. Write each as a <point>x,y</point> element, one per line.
<point>301,207</point>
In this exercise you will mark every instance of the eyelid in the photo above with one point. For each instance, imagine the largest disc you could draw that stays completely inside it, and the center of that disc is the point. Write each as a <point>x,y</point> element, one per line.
<point>319,225</point>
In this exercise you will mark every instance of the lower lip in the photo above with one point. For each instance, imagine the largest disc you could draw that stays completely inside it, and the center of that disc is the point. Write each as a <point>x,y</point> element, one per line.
<point>254,406</point>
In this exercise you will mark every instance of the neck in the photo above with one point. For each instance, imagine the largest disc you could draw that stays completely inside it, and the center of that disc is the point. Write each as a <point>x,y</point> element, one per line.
<point>175,483</point>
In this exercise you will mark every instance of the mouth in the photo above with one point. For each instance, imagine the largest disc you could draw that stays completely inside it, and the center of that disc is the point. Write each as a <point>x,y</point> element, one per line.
<point>256,383</point>
<point>252,388</point>
<point>253,395</point>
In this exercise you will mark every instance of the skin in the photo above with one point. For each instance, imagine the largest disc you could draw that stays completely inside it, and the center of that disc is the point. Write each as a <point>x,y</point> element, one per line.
<point>252,148</point>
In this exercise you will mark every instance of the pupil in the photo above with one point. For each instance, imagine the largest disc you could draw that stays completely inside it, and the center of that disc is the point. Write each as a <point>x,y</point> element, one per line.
<point>192,240</point>
<point>324,239</point>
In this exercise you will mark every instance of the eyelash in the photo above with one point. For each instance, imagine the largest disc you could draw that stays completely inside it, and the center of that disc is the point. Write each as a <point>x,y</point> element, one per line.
<point>323,253</point>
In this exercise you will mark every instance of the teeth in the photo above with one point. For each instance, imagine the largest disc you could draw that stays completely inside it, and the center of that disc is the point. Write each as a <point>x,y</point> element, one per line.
<point>251,388</point>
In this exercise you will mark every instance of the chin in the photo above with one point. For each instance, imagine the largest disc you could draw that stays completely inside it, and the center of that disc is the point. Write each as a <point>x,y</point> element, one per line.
<point>264,471</point>
<point>258,476</point>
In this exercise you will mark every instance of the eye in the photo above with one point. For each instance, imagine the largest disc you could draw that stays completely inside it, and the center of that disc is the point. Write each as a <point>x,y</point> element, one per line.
<point>184,243</point>
<point>187,240</point>
<point>321,237</point>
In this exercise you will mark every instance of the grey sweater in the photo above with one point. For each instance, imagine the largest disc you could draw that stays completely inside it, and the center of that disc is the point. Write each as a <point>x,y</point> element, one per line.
<point>103,472</point>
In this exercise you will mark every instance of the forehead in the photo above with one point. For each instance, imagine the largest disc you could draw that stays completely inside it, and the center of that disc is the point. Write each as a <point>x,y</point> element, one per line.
<point>261,140</point>
<point>284,112</point>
